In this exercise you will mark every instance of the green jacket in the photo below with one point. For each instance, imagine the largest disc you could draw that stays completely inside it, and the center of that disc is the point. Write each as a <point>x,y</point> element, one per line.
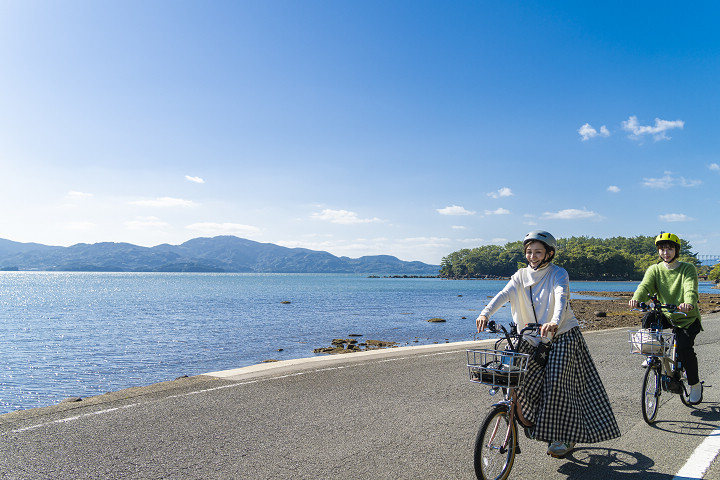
<point>676,286</point>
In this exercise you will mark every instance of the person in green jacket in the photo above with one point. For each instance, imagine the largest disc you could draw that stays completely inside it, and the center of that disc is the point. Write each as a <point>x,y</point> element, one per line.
<point>676,282</point>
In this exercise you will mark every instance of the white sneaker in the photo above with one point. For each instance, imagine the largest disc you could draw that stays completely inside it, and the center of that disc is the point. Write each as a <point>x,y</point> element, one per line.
<point>560,449</point>
<point>696,394</point>
<point>646,363</point>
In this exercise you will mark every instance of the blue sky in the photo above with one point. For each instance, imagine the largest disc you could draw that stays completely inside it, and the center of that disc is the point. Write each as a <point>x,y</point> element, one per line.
<point>409,128</point>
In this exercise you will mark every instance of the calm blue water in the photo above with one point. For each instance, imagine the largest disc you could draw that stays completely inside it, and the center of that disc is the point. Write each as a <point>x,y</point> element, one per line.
<point>84,334</point>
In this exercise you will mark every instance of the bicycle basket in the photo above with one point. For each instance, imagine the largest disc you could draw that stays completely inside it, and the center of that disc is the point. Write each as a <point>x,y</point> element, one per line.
<point>499,368</point>
<point>651,342</point>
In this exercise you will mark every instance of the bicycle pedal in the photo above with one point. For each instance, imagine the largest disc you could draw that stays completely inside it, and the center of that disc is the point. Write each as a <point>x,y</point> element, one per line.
<point>517,449</point>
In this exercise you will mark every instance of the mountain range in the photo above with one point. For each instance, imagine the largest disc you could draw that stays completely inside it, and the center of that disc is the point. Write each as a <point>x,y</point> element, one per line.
<point>218,254</point>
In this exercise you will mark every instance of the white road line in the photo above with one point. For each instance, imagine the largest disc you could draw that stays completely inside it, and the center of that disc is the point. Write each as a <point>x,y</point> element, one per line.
<point>700,460</point>
<point>221,387</point>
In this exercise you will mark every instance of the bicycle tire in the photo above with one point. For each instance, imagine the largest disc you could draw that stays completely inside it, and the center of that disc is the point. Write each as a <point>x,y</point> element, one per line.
<point>651,394</point>
<point>492,460</point>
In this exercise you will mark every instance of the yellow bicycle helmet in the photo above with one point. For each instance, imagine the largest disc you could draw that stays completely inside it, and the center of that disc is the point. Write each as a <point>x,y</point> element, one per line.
<point>667,237</point>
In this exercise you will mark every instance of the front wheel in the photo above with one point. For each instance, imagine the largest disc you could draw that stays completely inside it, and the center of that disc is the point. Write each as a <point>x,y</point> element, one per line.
<point>495,445</point>
<point>651,394</point>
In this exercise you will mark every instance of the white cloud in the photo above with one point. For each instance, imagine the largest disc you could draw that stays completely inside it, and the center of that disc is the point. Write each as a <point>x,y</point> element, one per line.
<point>210,228</point>
<point>164,202</point>
<point>587,132</point>
<point>497,211</point>
<point>684,182</point>
<point>674,217</point>
<point>659,131</point>
<point>570,214</point>
<point>79,195</point>
<point>669,181</point>
<point>194,179</point>
<point>503,192</point>
<point>664,182</point>
<point>426,241</point>
<point>343,217</point>
<point>146,222</point>
<point>714,166</point>
<point>458,227</point>
<point>454,210</point>
<point>472,241</point>
<point>613,189</point>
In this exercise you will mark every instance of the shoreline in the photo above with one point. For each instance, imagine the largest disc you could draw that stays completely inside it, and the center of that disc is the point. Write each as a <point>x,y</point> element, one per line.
<point>613,304</point>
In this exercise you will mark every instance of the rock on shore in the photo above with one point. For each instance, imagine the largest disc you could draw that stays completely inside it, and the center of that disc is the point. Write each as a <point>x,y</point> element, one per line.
<point>349,345</point>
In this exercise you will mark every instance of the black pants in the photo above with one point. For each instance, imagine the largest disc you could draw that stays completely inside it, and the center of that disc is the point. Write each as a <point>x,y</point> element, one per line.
<point>685,343</point>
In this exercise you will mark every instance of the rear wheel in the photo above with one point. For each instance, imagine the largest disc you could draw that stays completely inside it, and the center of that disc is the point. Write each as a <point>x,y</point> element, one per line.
<point>495,445</point>
<point>651,394</point>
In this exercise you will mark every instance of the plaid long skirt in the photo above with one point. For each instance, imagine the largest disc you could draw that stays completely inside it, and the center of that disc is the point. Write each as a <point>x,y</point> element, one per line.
<point>566,399</point>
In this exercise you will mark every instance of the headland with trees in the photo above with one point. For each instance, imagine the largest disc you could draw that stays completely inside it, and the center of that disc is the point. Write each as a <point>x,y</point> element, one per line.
<point>585,258</point>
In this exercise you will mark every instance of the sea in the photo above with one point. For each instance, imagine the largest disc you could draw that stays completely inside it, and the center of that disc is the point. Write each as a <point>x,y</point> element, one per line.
<point>83,334</point>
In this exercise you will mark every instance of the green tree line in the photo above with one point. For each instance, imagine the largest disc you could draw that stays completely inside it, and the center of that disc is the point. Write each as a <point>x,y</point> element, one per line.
<point>714,274</point>
<point>585,258</point>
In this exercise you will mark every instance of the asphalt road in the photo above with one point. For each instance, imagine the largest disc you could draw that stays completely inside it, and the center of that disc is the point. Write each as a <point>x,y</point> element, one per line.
<point>395,414</point>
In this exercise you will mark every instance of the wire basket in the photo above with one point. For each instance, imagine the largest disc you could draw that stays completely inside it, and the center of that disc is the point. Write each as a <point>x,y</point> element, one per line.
<point>652,342</point>
<point>499,368</point>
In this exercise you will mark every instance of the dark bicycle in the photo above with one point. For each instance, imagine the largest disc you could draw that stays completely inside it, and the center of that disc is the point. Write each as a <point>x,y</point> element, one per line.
<point>503,368</point>
<point>664,372</point>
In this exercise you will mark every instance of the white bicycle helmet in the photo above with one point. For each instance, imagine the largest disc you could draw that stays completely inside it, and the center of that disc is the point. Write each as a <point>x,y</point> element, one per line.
<point>541,236</point>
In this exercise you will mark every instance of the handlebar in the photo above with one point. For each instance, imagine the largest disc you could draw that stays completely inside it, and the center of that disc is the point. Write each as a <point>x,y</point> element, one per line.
<point>657,306</point>
<point>492,327</point>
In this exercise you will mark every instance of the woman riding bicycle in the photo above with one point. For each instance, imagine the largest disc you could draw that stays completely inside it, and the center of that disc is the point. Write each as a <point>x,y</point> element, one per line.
<point>675,282</point>
<point>565,400</point>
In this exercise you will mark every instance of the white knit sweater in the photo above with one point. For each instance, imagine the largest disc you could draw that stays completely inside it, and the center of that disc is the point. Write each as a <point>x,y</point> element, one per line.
<point>550,296</point>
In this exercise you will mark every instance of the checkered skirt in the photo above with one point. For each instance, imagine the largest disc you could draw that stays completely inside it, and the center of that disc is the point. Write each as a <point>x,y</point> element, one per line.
<point>566,399</point>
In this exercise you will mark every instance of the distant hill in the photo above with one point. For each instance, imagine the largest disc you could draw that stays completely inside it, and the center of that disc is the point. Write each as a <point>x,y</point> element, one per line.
<point>218,254</point>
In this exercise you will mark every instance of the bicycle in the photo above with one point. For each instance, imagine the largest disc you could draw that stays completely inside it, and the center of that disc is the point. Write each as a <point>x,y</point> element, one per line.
<point>503,369</point>
<point>664,372</point>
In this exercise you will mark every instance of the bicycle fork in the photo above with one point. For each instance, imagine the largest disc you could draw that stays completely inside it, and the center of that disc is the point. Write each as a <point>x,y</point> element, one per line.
<point>512,426</point>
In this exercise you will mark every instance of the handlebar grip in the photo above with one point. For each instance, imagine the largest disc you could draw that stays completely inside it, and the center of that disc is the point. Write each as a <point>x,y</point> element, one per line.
<point>530,327</point>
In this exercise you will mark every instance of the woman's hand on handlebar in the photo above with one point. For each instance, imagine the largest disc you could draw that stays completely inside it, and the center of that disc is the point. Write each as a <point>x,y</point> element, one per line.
<point>633,303</point>
<point>685,307</point>
<point>481,323</point>
<point>548,329</point>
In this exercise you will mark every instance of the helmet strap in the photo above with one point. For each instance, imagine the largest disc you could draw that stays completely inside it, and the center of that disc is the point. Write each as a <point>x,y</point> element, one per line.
<point>547,259</point>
